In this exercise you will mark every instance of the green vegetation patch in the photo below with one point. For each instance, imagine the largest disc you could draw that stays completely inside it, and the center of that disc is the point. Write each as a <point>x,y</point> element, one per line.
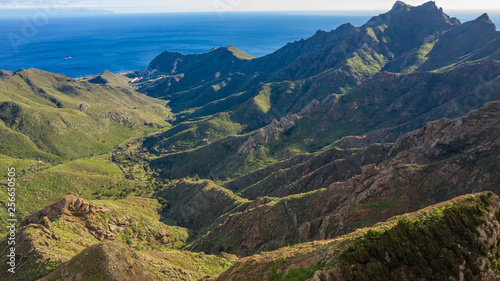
<point>430,248</point>
<point>296,274</point>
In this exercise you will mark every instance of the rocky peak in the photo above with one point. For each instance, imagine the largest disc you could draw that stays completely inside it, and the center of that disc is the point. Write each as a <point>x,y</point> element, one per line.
<point>409,25</point>
<point>484,23</point>
<point>71,205</point>
<point>431,5</point>
<point>399,6</point>
<point>484,18</point>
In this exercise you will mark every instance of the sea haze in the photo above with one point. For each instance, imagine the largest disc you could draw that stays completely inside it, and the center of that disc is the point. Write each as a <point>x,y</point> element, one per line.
<point>129,42</point>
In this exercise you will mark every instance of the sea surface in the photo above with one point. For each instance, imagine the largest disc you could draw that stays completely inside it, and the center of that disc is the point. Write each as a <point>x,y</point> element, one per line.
<point>125,42</point>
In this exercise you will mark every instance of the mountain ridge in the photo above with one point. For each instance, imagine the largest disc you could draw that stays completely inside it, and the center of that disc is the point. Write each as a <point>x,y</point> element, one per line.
<point>363,153</point>
<point>334,63</point>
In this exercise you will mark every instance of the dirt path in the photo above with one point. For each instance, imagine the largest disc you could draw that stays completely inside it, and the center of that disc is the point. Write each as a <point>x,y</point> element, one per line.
<point>121,169</point>
<point>125,141</point>
<point>114,151</point>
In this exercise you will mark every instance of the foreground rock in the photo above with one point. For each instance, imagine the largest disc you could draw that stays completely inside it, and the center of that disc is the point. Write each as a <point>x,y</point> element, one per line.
<point>104,261</point>
<point>105,240</point>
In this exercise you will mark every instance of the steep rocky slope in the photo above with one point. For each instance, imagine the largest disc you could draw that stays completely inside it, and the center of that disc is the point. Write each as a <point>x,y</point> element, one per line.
<point>391,104</point>
<point>438,162</point>
<point>454,240</point>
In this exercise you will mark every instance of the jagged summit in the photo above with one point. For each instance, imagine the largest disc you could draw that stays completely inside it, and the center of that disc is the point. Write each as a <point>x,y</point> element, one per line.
<point>403,14</point>
<point>430,4</point>
<point>399,6</point>
<point>406,27</point>
<point>482,25</point>
<point>484,18</point>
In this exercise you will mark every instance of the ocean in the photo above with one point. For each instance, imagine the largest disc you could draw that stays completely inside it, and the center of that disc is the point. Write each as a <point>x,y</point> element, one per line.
<point>125,42</point>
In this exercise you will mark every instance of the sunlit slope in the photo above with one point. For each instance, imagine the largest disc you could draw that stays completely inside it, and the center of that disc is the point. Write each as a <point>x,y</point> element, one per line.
<point>52,117</point>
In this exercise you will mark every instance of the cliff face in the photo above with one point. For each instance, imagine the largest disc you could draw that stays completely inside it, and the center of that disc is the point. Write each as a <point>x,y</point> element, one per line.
<point>453,240</point>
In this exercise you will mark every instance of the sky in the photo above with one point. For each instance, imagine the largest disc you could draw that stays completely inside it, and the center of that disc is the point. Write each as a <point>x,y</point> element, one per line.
<point>138,6</point>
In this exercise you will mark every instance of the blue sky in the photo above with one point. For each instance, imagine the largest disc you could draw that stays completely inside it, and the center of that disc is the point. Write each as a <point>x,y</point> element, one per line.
<point>127,6</point>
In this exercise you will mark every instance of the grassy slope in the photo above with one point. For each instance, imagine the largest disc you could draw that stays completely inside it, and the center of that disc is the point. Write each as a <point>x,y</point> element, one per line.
<point>39,184</point>
<point>111,79</point>
<point>135,223</point>
<point>53,117</point>
<point>191,134</point>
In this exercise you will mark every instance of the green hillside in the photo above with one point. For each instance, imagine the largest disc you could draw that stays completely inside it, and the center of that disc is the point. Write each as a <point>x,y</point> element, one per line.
<point>362,153</point>
<point>111,79</point>
<point>52,117</point>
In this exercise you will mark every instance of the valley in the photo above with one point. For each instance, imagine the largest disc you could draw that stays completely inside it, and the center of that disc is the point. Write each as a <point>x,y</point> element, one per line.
<point>361,153</point>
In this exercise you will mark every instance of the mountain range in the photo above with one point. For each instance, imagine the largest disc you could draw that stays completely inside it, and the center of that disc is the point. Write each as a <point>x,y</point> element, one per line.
<point>360,153</point>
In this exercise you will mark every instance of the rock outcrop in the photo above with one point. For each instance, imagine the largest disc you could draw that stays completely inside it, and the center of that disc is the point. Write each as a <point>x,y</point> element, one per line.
<point>53,235</point>
<point>269,133</point>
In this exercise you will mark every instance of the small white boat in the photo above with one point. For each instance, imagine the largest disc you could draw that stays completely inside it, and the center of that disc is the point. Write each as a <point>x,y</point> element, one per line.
<point>68,58</point>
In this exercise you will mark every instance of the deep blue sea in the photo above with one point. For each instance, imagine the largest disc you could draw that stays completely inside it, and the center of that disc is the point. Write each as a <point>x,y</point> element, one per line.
<point>120,42</point>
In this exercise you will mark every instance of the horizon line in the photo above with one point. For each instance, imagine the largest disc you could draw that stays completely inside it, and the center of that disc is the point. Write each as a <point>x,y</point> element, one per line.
<point>97,10</point>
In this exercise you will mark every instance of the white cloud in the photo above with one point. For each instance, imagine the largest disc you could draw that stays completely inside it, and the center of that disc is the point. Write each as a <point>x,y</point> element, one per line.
<point>243,5</point>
